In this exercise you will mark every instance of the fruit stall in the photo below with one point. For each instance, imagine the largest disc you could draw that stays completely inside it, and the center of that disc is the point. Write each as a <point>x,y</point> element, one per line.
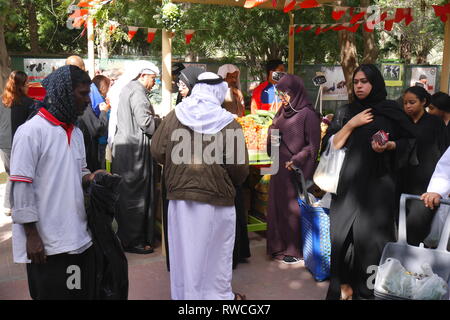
<point>255,127</point>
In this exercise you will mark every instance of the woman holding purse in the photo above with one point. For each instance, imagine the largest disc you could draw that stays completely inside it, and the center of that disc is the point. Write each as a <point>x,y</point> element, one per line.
<point>299,127</point>
<point>379,139</point>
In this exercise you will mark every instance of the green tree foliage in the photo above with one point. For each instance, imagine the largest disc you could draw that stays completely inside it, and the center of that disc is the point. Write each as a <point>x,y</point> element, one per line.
<point>418,39</point>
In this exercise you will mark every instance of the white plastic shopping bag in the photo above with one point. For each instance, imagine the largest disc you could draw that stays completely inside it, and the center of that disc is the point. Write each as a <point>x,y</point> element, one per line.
<point>327,173</point>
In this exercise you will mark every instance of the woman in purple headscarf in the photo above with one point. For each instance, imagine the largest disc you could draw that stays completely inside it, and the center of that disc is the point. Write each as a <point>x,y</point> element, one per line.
<point>299,129</point>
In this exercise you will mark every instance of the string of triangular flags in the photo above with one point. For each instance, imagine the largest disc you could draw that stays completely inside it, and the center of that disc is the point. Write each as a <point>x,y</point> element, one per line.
<point>441,12</point>
<point>356,20</point>
<point>151,32</point>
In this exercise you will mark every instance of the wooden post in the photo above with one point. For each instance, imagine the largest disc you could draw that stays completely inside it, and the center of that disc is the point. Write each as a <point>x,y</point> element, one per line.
<point>445,74</point>
<point>166,76</point>
<point>91,50</point>
<point>291,44</point>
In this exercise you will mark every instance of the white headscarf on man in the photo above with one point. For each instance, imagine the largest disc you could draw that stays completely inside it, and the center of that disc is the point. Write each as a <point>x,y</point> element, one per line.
<point>202,111</point>
<point>114,93</point>
<point>230,68</point>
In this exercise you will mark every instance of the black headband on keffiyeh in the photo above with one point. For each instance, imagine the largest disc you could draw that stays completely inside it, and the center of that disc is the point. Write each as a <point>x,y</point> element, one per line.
<point>211,81</point>
<point>59,99</point>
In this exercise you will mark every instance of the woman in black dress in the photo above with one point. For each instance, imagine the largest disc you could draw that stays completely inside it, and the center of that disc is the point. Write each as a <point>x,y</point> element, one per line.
<point>364,211</point>
<point>431,145</point>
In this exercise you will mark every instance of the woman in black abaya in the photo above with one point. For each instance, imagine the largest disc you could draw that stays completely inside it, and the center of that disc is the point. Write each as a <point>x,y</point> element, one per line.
<point>364,211</point>
<point>431,145</point>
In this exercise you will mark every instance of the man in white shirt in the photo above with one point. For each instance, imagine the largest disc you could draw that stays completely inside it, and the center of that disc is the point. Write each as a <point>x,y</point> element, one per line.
<point>439,186</point>
<point>48,169</point>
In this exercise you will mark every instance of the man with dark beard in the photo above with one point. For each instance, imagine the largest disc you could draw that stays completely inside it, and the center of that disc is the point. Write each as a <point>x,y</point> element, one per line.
<point>48,170</point>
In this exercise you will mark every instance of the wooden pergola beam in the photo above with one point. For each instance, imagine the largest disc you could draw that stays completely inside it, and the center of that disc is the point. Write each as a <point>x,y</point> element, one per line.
<point>445,74</point>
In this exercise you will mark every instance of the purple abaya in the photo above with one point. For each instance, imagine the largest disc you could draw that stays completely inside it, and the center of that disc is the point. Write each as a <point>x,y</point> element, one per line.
<point>300,135</point>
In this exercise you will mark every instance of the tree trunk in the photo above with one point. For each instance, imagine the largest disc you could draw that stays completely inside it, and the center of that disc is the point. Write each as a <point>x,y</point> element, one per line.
<point>370,46</point>
<point>4,58</point>
<point>422,57</point>
<point>349,54</point>
<point>102,48</point>
<point>33,28</point>
<point>349,58</point>
<point>405,49</point>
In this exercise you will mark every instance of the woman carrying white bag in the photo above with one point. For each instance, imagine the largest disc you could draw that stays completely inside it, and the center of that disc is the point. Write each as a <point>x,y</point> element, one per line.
<point>378,137</point>
<point>326,176</point>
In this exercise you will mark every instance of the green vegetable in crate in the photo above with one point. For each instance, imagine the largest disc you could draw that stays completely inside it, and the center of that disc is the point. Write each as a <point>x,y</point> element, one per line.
<point>266,113</point>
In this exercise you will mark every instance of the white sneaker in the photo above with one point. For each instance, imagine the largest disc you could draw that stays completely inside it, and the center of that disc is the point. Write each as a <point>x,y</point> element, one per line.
<point>291,260</point>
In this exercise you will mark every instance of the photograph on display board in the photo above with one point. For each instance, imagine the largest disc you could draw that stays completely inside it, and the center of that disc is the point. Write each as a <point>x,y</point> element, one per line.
<point>424,77</point>
<point>393,74</point>
<point>38,68</point>
<point>335,88</point>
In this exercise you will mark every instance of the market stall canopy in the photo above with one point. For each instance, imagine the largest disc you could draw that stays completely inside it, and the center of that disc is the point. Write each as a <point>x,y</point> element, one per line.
<point>240,3</point>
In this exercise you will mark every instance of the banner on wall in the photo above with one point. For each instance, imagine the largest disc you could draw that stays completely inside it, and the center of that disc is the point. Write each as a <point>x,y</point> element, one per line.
<point>335,88</point>
<point>392,74</point>
<point>424,77</point>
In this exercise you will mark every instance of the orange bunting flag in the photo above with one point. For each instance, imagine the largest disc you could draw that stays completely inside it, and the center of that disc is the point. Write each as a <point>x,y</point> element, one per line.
<point>113,26</point>
<point>84,4</point>
<point>188,35</point>
<point>151,34</point>
<point>132,32</point>
<point>253,3</point>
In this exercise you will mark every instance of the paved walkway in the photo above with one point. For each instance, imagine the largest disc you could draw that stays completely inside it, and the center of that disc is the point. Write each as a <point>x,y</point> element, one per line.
<point>259,279</point>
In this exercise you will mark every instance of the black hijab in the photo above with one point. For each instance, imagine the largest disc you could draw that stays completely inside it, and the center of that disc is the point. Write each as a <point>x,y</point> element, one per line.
<point>294,86</point>
<point>378,102</point>
<point>189,77</point>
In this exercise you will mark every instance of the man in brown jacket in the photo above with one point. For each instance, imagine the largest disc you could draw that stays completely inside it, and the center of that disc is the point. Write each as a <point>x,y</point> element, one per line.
<point>203,151</point>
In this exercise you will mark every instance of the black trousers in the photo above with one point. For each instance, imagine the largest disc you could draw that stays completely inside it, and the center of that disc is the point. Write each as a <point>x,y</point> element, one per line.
<point>63,277</point>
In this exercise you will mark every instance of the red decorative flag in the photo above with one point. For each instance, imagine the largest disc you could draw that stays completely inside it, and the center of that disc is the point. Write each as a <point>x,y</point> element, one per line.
<point>113,26</point>
<point>289,5</point>
<point>404,14</point>
<point>151,34</point>
<point>84,4</point>
<point>132,32</point>
<point>318,30</point>
<point>442,12</point>
<point>354,28</point>
<point>389,24</point>
<point>298,29</point>
<point>253,3</point>
<point>306,4</point>
<point>188,35</point>
<point>357,17</point>
<point>341,27</point>
<point>369,27</point>
<point>307,28</point>
<point>331,27</point>
<point>274,3</point>
<point>338,13</point>
<point>291,30</point>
